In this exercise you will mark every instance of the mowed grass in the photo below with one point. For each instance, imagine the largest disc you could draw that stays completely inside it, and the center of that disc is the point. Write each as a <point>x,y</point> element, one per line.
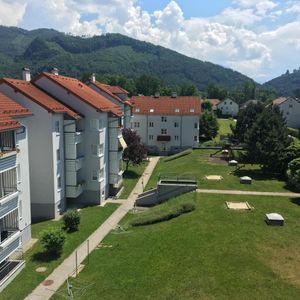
<point>131,177</point>
<point>210,253</point>
<point>224,128</point>
<point>28,279</point>
<point>200,165</point>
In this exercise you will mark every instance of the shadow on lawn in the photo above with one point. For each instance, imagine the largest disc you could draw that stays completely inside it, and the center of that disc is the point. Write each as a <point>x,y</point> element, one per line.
<point>45,257</point>
<point>130,174</point>
<point>296,201</point>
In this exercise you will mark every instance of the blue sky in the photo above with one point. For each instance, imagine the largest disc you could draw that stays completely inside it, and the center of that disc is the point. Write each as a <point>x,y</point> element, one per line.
<point>260,38</point>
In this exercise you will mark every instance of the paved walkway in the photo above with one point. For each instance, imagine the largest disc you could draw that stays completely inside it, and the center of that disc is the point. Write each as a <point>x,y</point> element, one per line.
<point>232,192</point>
<point>67,267</point>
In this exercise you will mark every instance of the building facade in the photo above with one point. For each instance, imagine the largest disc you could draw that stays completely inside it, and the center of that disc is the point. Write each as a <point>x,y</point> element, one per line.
<point>15,217</point>
<point>166,124</point>
<point>228,108</point>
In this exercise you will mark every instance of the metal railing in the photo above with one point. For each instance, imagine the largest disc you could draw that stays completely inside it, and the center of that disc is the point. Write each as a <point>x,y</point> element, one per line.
<point>6,191</point>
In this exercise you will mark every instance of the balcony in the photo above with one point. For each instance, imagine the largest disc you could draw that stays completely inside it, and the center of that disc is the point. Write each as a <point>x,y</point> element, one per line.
<point>163,138</point>
<point>74,191</point>
<point>73,138</point>
<point>7,142</point>
<point>73,165</point>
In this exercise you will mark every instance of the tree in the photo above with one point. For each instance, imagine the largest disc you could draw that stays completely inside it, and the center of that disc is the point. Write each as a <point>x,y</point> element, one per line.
<point>208,125</point>
<point>135,151</point>
<point>214,92</point>
<point>245,119</point>
<point>71,219</point>
<point>267,140</point>
<point>249,90</point>
<point>293,173</point>
<point>188,90</point>
<point>53,241</point>
<point>206,105</point>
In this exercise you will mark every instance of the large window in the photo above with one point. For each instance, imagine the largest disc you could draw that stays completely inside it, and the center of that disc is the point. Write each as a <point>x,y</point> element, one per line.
<point>164,119</point>
<point>151,124</point>
<point>164,131</point>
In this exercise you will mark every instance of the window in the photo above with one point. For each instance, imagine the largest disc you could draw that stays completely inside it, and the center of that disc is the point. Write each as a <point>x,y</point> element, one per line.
<point>291,106</point>
<point>94,149</point>
<point>151,137</point>
<point>176,137</point>
<point>176,124</point>
<point>58,155</point>
<point>196,125</point>
<point>137,110</point>
<point>195,138</point>
<point>57,126</point>
<point>94,175</point>
<point>164,119</point>
<point>287,113</point>
<point>101,174</point>
<point>136,124</point>
<point>177,110</point>
<point>225,102</point>
<point>192,110</point>
<point>151,124</point>
<point>59,182</point>
<point>164,131</point>
<point>151,110</point>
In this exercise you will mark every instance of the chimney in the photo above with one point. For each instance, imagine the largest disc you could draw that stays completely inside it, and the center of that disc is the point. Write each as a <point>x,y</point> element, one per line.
<point>26,74</point>
<point>93,77</point>
<point>174,95</point>
<point>54,71</point>
<point>156,95</point>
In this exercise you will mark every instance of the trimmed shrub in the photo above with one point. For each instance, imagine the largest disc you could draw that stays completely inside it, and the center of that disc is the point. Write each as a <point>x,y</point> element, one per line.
<point>53,241</point>
<point>71,220</point>
<point>178,155</point>
<point>162,216</point>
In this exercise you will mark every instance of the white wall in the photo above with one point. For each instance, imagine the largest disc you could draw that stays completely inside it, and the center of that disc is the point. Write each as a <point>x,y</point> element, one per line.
<point>291,112</point>
<point>228,108</point>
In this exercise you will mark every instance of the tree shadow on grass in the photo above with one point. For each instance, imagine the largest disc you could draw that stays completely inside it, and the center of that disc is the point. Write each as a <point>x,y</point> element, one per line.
<point>44,257</point>
<point>258,175</point>
<point>295,201</point>
<point>130,174</point>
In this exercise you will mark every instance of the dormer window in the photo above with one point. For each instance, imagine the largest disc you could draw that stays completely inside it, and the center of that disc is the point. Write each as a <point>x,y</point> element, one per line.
<point>151,110</point>
<point>177,110</point>
<point>192,110</point>
<point>137,110</point>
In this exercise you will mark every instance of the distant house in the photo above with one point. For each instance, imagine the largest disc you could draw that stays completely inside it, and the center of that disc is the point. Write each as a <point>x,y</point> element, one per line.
<point>214,103</point>
<point>290,108</point>
<point>247,103</point>
<point>228,108</point>
<point>166,124</point>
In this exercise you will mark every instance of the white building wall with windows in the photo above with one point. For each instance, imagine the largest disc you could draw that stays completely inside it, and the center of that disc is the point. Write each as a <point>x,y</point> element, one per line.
<point>290,109</point>
<point>228,108</point>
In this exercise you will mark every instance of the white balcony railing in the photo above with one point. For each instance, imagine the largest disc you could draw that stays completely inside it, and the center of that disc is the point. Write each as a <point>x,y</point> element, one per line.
<point>74,191</point>
<point>10,245</point>
<point>73,165</point>
<point>73,138</point>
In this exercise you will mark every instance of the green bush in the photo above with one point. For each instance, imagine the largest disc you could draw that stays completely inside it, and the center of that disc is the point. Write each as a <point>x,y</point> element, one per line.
<point>293,132</point>
<point>53,241</point>
<point>147,219</point>
<point>178,155</point>
<point>71,219</point>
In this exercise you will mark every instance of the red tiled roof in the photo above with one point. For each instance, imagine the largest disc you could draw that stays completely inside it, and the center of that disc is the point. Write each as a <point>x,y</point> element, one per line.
<point>165,105</point>
<point>214,102</point>
<point>7,123</point>
<point>85,93</point>
<point>117,89</point>
<point>279,100</point>
<point>10,108</point>
<point>32,92</point>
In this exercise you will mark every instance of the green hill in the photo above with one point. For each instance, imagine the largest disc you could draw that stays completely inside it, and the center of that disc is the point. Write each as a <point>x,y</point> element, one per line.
<point>113,54</point>
<point>287,84</point>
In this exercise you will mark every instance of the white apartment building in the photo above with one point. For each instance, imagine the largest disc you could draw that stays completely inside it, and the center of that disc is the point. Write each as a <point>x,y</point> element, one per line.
<point>97,137</point>
<point>46,145</point>
<point>290,108</point>
<point>228,108</point>
<point>167,124</point>
<point>15,218</point>
<point>117,95</point>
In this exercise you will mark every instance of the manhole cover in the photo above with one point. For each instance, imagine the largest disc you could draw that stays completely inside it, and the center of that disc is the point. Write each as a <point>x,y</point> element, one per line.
<point>41,269</point>
<point>48,282</point>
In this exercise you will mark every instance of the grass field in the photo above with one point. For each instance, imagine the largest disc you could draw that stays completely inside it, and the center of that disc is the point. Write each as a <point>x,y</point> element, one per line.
<point>200,165</point>
<point>28,279</point>
<point>131,177</point>
<point>210,253</point>
<point>224,128</point>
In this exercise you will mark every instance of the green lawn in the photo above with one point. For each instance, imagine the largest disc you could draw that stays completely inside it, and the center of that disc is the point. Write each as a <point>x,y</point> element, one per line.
<point>131,177</point>
<point>199,164</point>
<point>28,279</point>
<point>224,128</point>
<point>210,253</point>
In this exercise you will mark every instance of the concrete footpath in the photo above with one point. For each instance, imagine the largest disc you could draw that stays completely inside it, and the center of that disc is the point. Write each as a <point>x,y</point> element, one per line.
<point>67,267</point>
<point>233,192</point>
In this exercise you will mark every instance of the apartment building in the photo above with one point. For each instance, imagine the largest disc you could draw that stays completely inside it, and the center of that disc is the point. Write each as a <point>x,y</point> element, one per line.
<point>117,95</point>
<point>167,124</point>
<point>101,142</point>
<point>46,145</point>
<point>228,107</point>
<point>15,218</point>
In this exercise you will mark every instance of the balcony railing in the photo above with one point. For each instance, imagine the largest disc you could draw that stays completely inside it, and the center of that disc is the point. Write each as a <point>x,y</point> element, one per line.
<point>7,141</point>
<point>6,235</point>
<point>6,191</point>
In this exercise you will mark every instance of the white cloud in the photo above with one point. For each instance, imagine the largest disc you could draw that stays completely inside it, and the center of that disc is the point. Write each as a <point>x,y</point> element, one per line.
<point>11,13</point>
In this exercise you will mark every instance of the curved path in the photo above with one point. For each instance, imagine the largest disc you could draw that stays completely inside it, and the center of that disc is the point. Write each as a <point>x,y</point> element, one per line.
<point>67,267</point>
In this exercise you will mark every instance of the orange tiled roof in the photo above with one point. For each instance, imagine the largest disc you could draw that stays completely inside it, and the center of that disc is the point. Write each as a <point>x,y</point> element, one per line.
<point>10,108</point>
<point>279,100</point>
<point>32,92</point>
<point>8,123</point>
<point>165,105</point>
<point>85,93</point>
<point>117,89</point>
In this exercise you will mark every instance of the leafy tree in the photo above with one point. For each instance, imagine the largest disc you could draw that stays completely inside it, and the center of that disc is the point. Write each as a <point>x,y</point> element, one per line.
<point>147,85</point>
<point>53,241</point>
<point>71,219</point>
<point>206,105</point>
<point>267,140</point>
<point>188,90</point>
<point>214,92</point>
<point>249,90</point>
<point>135,151</point>
<point>293,173</point>
<point>245,119</point>
<point>208,125</point>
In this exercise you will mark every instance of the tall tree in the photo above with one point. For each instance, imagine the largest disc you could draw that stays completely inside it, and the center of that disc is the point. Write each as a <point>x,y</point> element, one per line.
<point>267,140</point>
<point>135,151</point>
<point>208,125</point>
<point>206,105</point>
